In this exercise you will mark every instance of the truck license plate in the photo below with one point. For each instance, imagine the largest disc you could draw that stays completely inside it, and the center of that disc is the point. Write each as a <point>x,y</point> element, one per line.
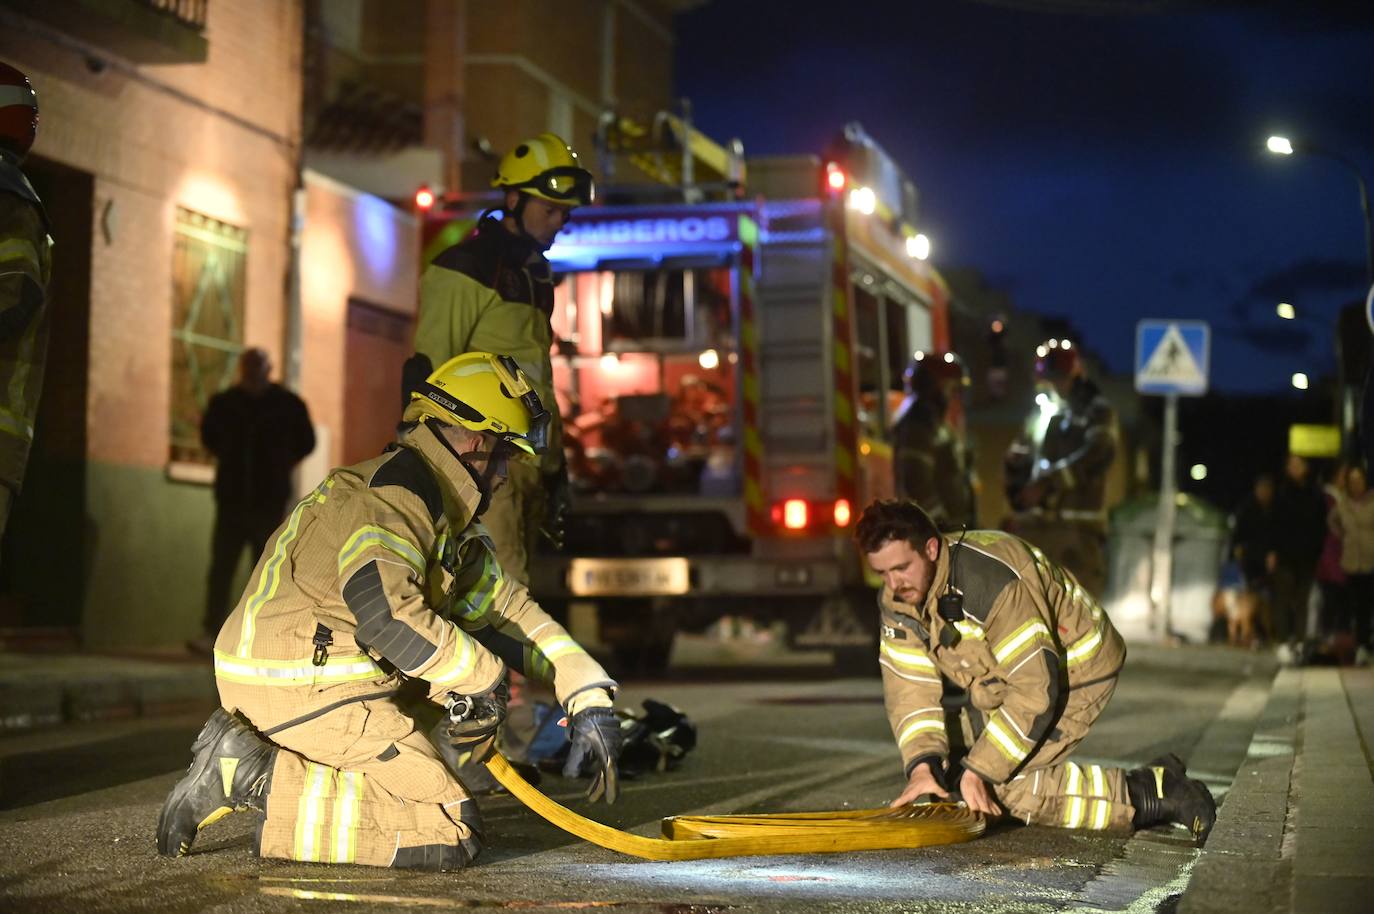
<point>628,577</point>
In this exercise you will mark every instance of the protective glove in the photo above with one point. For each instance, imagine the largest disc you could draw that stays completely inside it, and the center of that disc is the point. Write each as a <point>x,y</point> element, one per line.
<point>474,719</point>
<point>595,750</point>
<point>558,492</point>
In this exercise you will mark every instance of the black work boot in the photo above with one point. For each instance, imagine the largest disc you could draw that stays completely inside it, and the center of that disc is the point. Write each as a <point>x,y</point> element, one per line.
<point>1162,792</point>
<point>230,771</point>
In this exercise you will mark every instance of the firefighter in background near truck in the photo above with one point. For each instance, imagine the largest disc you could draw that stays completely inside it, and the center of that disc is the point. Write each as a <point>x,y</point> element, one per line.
<point>25,267</point>
<point>1039,659</point>
<point>930,463</point>
<point>494,292</point>
<point>384,574</point>
<point>1056,472</point>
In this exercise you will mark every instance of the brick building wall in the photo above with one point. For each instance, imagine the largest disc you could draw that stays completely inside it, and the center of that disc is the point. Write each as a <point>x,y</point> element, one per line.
<point>218,138</point>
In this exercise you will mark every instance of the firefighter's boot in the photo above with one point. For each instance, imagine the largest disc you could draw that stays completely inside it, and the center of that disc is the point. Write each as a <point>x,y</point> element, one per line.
<point>230,771</point>
<point>1162,792</point>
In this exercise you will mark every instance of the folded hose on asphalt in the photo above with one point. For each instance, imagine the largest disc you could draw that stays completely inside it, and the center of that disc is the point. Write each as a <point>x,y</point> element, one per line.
<point>702,837</point>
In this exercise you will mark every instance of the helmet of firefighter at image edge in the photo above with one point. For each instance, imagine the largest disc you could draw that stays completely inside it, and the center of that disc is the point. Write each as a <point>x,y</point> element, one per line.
<point>485,393</point>
<point>1056,360</point>
<point>18,112</point>
<point>935,371</point>
<point>546,167</point>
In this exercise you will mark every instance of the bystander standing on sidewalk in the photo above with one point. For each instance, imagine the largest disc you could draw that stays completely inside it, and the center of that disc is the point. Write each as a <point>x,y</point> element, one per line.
<point>1254,541</point>
<point>1353,520</point>
<point>1301,515</point>
<point>258,432</point>
<point>1334,617</point>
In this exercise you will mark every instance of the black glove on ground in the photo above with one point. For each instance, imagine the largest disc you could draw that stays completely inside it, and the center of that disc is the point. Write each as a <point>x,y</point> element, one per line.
<point>595,750</point>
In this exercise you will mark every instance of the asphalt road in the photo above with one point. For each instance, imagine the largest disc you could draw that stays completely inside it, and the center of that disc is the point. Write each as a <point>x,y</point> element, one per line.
<point>78,806</point>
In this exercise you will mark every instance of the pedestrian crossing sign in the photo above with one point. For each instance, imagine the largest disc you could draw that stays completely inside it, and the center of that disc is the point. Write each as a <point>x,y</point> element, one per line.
<point>1171,357</point>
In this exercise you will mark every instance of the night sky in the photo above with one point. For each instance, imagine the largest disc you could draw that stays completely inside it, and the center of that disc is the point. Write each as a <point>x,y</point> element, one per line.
<point>1102,168</point>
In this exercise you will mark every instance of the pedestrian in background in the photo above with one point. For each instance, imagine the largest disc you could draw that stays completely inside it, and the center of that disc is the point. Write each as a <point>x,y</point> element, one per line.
<point>1335,616</point>
<point>1301,515</point>
<point>25,267</point>
<point>1352,519</point>
<point>1254,544</point>
<point>258,432</point>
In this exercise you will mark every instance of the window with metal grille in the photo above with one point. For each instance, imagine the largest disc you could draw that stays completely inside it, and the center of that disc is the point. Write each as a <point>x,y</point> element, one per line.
<point>208,278</point>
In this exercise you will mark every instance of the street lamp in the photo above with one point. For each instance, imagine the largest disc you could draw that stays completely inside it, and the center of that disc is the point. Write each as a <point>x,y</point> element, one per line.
<point>1286,311</point>
<point>1282,145</point>
<point>1300,380</point>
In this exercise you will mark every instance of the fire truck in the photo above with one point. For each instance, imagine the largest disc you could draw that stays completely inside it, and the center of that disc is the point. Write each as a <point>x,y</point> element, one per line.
<point>727,370</point>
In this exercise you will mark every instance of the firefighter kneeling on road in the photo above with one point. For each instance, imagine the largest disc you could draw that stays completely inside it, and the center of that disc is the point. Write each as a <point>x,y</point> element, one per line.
<point>1039,659</point>
<point>381,575</point>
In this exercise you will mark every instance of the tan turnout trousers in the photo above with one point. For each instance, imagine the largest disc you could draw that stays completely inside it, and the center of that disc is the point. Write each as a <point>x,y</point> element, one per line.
<point>361,785</point>
<point>1050,789</point>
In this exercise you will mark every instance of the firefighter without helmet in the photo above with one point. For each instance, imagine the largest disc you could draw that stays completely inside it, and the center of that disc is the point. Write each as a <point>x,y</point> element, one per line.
<point>484,393</point>
<point>18,112</point>
<point>546,167</point>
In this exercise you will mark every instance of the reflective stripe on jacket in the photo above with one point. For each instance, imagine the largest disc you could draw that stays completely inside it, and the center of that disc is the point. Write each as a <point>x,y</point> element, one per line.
<point>1028,629</point>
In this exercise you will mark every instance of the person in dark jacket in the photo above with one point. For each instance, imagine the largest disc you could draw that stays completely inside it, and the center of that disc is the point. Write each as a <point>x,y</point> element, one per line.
<point>258,431</point>
<point>1300,513</point>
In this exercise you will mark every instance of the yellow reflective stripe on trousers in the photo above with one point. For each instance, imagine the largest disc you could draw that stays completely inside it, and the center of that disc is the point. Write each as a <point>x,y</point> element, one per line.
<point>908,658</point>
<point>270,578</point>
<point>1101,808</point>
<point>1004,740</point>
<point>1073,801</point>
<point>347,807</point>
<point>344,668</point>
<point>913,729</point>
<point>310,814</point>
<point>371,535</point>
<point>1024,636</point>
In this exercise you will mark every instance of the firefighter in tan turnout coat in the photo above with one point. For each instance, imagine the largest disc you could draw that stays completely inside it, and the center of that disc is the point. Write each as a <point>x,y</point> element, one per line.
<point>1038,658</point>
<point>382,575</point>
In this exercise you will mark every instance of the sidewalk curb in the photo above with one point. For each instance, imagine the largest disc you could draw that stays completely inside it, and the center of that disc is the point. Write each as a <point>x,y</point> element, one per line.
<point>40,692</point>
<point>1242,868</point>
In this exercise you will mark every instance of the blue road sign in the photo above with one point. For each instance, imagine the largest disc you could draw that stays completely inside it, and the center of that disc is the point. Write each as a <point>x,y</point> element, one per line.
<point>1171,357</point>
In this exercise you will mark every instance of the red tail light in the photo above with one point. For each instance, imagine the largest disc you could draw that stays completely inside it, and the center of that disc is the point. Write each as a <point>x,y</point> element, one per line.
<point>424,197</point>
<point>795,514</point>
<point>843,514</point>
<point>835,178</point>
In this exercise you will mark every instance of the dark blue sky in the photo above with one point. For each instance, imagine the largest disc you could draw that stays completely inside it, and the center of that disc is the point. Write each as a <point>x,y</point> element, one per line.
<point>1104,168</point>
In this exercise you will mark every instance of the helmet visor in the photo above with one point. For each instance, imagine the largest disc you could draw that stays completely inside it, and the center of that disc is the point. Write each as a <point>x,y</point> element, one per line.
<point>538,437</point>
<point>565,184</point>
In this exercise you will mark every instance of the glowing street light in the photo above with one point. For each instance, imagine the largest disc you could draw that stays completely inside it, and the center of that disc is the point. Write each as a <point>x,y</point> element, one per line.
<point>1198,472</point>
<point>1286,311</point>
<point>1300,380</point>
<point>1282,145</point>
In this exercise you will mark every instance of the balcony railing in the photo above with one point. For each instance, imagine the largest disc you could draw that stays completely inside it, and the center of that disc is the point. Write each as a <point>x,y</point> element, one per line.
<point>188,12</point>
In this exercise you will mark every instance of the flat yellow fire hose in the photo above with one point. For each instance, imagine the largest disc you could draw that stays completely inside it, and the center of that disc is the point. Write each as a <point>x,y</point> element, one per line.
<point>702,837</point>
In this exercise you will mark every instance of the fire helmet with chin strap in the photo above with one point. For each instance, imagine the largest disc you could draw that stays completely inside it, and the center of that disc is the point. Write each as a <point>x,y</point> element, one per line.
<point>546,167</point>
<point>484,393</point>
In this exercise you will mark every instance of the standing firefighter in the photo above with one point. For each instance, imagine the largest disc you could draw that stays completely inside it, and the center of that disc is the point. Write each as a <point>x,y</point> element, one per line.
<point>25,265</point>
<point>494,292</point>
<point>1038,658</point>
<point>384,575</point>
<point>1056,472</point>
<point>931,465</point>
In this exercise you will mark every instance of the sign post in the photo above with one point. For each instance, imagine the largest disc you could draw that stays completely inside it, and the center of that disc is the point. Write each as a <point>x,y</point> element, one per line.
<point>1171,359</point>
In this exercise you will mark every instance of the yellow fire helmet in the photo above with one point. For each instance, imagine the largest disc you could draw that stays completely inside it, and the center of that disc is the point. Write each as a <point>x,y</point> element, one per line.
<point>485,393</point>
<point>546,167</point>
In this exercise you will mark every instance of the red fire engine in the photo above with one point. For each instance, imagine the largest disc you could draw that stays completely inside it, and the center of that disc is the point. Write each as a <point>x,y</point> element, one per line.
<point>727,372</point>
